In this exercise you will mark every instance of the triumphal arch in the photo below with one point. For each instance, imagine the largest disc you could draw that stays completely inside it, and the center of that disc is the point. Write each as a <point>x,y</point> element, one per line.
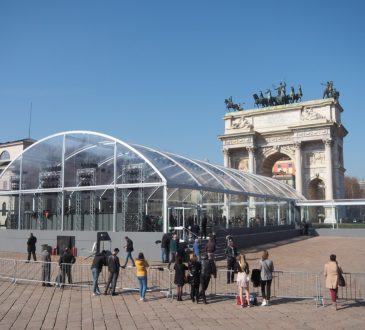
<point>301,143</point>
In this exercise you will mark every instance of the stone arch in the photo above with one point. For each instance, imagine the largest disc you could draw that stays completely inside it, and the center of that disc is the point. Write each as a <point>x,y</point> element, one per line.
<point>316,189</point>
<point>270,160</point>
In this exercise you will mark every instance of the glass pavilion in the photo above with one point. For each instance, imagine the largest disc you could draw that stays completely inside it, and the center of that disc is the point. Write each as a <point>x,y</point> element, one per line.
<point>87,181</point>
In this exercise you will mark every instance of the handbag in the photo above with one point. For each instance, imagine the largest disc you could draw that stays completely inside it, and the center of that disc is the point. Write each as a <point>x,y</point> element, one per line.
<point>341,279</point>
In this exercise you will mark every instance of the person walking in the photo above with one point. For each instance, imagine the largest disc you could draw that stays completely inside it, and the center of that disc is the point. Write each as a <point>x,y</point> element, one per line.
<point>331,273</point>
<point>208,268</point>
<point>266,269</point>
<point>65,263</point>
<point>204,227</point>
<point>179,280</point>
<point>46,266</point>
<point>31,246</point>
<point>194,267</point>
<point>141,265</point>
<point>113,268</point>
<point>165,248</point>
<point>243,271</point>
<point>129,249</point>
<point>231,254</point>
<point>96,268</point>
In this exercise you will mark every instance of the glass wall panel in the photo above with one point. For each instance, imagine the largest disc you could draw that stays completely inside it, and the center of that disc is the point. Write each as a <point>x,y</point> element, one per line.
<point>41,165</point>
<point>131,168</point>
<point>89,210</point>
<point>41,211</point>
<point>89,160</point>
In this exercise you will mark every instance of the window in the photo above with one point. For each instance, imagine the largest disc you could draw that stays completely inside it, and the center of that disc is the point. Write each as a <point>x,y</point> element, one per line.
<point>5,155</point>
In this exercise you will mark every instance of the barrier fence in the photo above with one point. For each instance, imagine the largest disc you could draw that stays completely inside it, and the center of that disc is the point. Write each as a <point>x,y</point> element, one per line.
<point>285,284</point>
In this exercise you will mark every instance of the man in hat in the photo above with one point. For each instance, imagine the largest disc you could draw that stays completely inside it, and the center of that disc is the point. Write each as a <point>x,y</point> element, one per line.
<point>46,265</point>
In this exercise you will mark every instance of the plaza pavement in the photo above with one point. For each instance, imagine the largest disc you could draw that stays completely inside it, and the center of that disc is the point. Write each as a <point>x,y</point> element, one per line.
<point>31,306</point>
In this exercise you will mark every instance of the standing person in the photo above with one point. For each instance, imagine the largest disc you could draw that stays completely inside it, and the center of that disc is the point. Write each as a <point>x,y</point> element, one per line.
<point>204,227</point>
<point>231,254</point>
<point>96,268</point>
<point>129,249</point>
<point>113,268</point>
<point>174,245</point>
<point>197,248</point>
<point>208,268</point>
<point>31,242</point>
<point>142,265</point>
<point>65,263</point>
<point>266,267</point>
<point>194,267</point>
<point>165,248</point>
<point>331,273</point>
<point>242,278</point>
<point>210,247</point>
<point>179,280</point>
<point>46,266</point>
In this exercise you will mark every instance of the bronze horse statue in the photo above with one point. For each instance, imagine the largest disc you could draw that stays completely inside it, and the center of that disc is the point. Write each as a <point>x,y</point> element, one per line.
<point>231,105</point>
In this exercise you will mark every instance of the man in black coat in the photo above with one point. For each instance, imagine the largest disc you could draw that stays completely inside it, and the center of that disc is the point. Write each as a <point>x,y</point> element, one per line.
<point>129,249</point>
<point>165,248</point>
<point>231,254</point>
<point>204,228</point>
<point>208,268</point>
<point>32,240</point>
<point>96,268</point>
<point>113,267</point>
<point>65,263</point>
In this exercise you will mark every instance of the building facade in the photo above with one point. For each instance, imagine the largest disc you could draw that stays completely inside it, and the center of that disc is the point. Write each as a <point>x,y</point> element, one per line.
<point>307,135</point>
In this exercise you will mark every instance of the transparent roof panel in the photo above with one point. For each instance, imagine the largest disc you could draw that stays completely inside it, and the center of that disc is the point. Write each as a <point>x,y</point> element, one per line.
<point>76,159</point>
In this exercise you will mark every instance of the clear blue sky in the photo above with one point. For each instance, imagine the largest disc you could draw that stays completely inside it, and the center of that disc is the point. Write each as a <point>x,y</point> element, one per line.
<point>157,72</point>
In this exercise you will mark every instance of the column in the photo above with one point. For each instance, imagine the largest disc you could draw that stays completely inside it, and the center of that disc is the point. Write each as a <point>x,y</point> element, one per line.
<point>251,159</point>
<point>298,167</point>
<point>328,157</point>
<point>227,162</point>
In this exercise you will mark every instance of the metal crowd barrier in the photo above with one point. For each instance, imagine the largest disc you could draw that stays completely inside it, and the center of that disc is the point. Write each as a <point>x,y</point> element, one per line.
<point>354,289</point>
<point>285,284</point>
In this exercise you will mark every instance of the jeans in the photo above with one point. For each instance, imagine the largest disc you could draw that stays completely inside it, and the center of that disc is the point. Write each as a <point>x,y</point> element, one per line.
<point>95,273</point>
<point>165,254</point>
<point>231,262</point>
<point>142,286</point>
<point>266,289</point>
<point>129,256</point>
<point>112,282</point>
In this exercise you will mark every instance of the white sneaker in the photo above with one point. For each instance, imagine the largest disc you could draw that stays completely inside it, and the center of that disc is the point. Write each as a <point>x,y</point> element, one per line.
<point>267,302</point>
<point>264,302</point>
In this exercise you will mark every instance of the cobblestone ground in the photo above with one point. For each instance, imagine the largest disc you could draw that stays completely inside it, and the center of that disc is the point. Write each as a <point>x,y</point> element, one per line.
<point>31,306</point>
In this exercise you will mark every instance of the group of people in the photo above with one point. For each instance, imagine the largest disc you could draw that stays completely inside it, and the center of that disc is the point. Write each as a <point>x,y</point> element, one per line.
<point>198,272</point>
<point>113,263</point>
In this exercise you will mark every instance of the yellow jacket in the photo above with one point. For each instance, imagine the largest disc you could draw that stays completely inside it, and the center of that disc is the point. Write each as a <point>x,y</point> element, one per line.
<point>141,266</point>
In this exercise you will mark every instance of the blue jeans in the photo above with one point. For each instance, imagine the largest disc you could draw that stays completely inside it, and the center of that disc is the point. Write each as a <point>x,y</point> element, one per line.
<point>165,255</point>
<point>142,286</point>
<point>129,256</point>
<point>95,273</point>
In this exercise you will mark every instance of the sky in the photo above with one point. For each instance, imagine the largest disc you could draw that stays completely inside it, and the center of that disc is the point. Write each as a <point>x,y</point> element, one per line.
<point>157,72</point>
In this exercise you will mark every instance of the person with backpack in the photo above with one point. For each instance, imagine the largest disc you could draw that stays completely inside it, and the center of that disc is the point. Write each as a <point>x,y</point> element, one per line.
<point>243,271</point>
<point>208,268</point>
<point>194,267</point>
